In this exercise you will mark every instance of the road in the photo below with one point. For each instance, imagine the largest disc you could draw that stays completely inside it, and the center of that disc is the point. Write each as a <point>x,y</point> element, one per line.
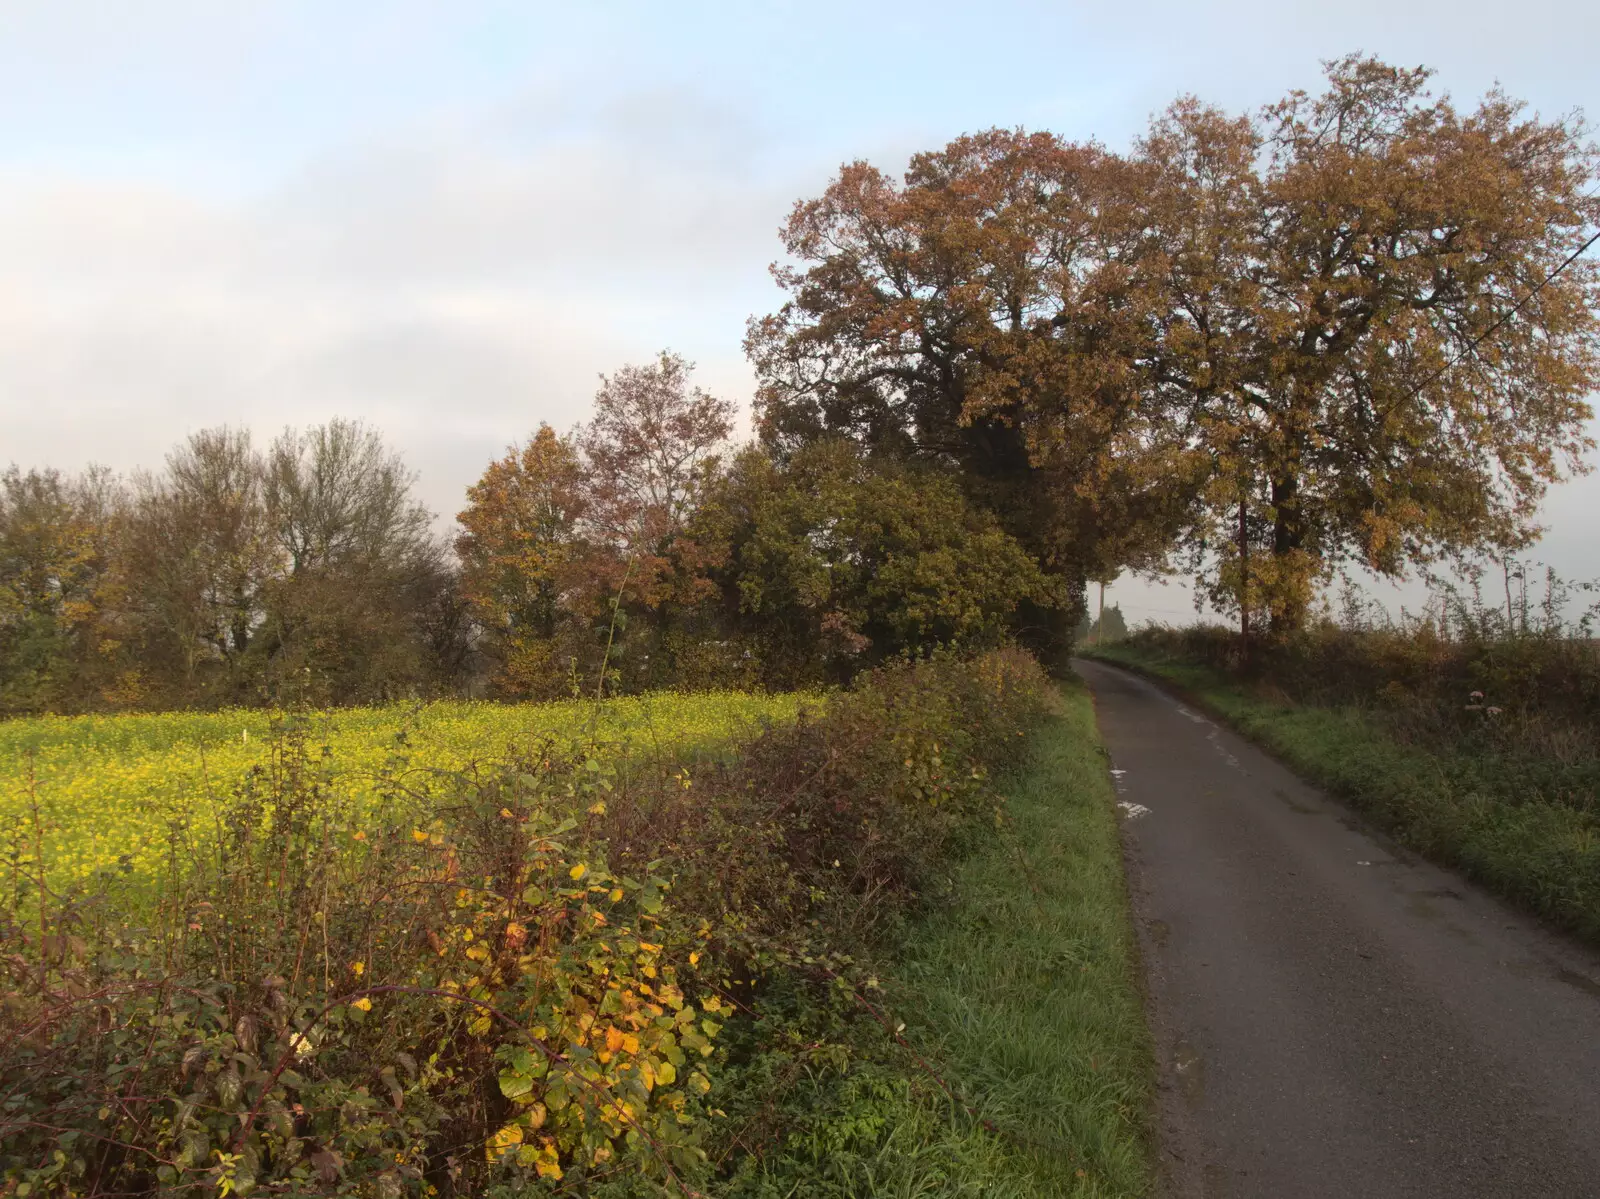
<point>1332,1016</point>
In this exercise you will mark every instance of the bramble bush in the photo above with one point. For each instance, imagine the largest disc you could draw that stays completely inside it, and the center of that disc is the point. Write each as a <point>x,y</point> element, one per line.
<point>557,973</point>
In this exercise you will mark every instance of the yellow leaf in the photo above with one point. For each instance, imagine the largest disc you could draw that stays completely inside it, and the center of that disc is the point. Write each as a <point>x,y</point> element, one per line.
<point>578,871</point>
<point>616,895</point>
<point>615,1040</point>
<point>506,1138</point>
<point>358,968</point>
<point>549,1163</point>
<point>597,808</point>
<point>418,836</point>
<point>694,959</point>
<point>363,1003</point>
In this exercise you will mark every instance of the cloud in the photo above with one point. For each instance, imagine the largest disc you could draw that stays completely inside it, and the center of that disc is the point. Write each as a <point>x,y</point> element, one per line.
<point>455,284</point>
<point>449,219</point>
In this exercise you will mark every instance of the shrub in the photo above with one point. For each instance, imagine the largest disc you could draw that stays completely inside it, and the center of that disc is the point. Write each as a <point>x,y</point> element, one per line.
<point>512,979</point>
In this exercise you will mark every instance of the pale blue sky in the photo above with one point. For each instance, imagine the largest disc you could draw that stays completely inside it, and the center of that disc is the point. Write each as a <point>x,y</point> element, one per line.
<point>447,218</point>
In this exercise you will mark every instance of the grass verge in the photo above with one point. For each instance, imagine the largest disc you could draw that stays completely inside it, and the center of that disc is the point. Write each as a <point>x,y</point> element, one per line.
<point>1470,810</point>
<point>1022,994</point>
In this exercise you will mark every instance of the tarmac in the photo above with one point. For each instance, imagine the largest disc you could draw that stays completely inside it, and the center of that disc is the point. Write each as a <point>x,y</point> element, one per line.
<point>1333,1016</point>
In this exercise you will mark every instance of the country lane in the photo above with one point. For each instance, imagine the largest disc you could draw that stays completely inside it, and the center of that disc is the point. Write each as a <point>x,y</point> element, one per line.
<point>1332,1016</point>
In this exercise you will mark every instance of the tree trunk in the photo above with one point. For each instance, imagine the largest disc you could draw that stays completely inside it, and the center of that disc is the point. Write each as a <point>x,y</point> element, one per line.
<point>1287,603</point>
<point>1244,580</point>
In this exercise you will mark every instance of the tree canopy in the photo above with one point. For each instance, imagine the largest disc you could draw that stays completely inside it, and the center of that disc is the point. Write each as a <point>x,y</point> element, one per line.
<point>1351,327</point>
<point>1325,332</point>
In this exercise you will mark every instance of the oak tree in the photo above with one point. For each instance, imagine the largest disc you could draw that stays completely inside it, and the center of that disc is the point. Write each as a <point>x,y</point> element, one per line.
<point>1363,325</point>
<point>978,316</point>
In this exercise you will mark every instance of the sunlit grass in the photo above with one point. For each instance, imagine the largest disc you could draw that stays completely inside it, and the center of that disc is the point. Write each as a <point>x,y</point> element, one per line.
<point>1024,994</point>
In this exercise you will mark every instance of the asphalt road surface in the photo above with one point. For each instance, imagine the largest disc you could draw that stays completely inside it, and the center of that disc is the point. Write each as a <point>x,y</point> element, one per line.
<point>1332,1016</point>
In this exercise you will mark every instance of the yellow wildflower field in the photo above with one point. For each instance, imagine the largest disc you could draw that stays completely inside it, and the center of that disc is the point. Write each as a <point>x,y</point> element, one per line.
<point>109,786</point>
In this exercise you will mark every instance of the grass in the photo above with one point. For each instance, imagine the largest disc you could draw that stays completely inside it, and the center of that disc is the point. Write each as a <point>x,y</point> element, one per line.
<point>109,786</point>
<point>1465,807</point>
<point>1022,994</point>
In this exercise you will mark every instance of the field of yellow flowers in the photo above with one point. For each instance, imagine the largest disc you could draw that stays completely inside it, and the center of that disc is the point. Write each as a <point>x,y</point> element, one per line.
<point>91,791</point>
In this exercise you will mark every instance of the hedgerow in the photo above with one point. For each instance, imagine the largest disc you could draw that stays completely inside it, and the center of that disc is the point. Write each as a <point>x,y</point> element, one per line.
<point>567,972</point>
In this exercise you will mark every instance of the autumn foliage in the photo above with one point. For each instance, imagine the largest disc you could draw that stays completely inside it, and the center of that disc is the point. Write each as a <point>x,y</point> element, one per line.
<point>515,979</point>
<point>1261,345</point>
<point>1354,327</point>
<point>633,553</point>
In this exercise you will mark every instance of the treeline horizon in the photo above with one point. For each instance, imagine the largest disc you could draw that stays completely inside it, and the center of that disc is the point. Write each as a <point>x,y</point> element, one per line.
<point>1355,328</point>
<point>641,549</point>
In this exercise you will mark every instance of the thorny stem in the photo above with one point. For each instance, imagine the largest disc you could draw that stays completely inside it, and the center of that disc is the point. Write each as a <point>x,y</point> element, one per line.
<point>38,861</point>
<point>611,634</point>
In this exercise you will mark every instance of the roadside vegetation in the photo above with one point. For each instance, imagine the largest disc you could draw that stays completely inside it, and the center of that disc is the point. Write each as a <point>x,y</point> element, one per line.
<point>549,974</point>
<point>1470,736</point>
<point>1025,986</point>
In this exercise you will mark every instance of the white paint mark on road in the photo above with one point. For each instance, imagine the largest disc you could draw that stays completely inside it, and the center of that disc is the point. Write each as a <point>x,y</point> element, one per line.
<point>1216,744</point>
<point>1183,711</point>
<point>1133,810</point>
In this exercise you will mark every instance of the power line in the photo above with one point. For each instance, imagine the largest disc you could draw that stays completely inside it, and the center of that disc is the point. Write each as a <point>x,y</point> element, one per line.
<point>1473,345</point>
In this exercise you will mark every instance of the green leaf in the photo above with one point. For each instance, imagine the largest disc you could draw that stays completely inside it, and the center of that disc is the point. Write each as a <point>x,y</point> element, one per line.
<point>514,1084</point>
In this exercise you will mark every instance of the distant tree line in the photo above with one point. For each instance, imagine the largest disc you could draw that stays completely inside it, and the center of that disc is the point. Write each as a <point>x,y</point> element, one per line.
<point>1355,327</point>
<point>635,551</point>
<point>233,575</point>
<point>1109,625</point>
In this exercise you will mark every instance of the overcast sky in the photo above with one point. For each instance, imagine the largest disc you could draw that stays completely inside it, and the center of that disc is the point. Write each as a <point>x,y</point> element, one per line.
<point>448,218</point>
